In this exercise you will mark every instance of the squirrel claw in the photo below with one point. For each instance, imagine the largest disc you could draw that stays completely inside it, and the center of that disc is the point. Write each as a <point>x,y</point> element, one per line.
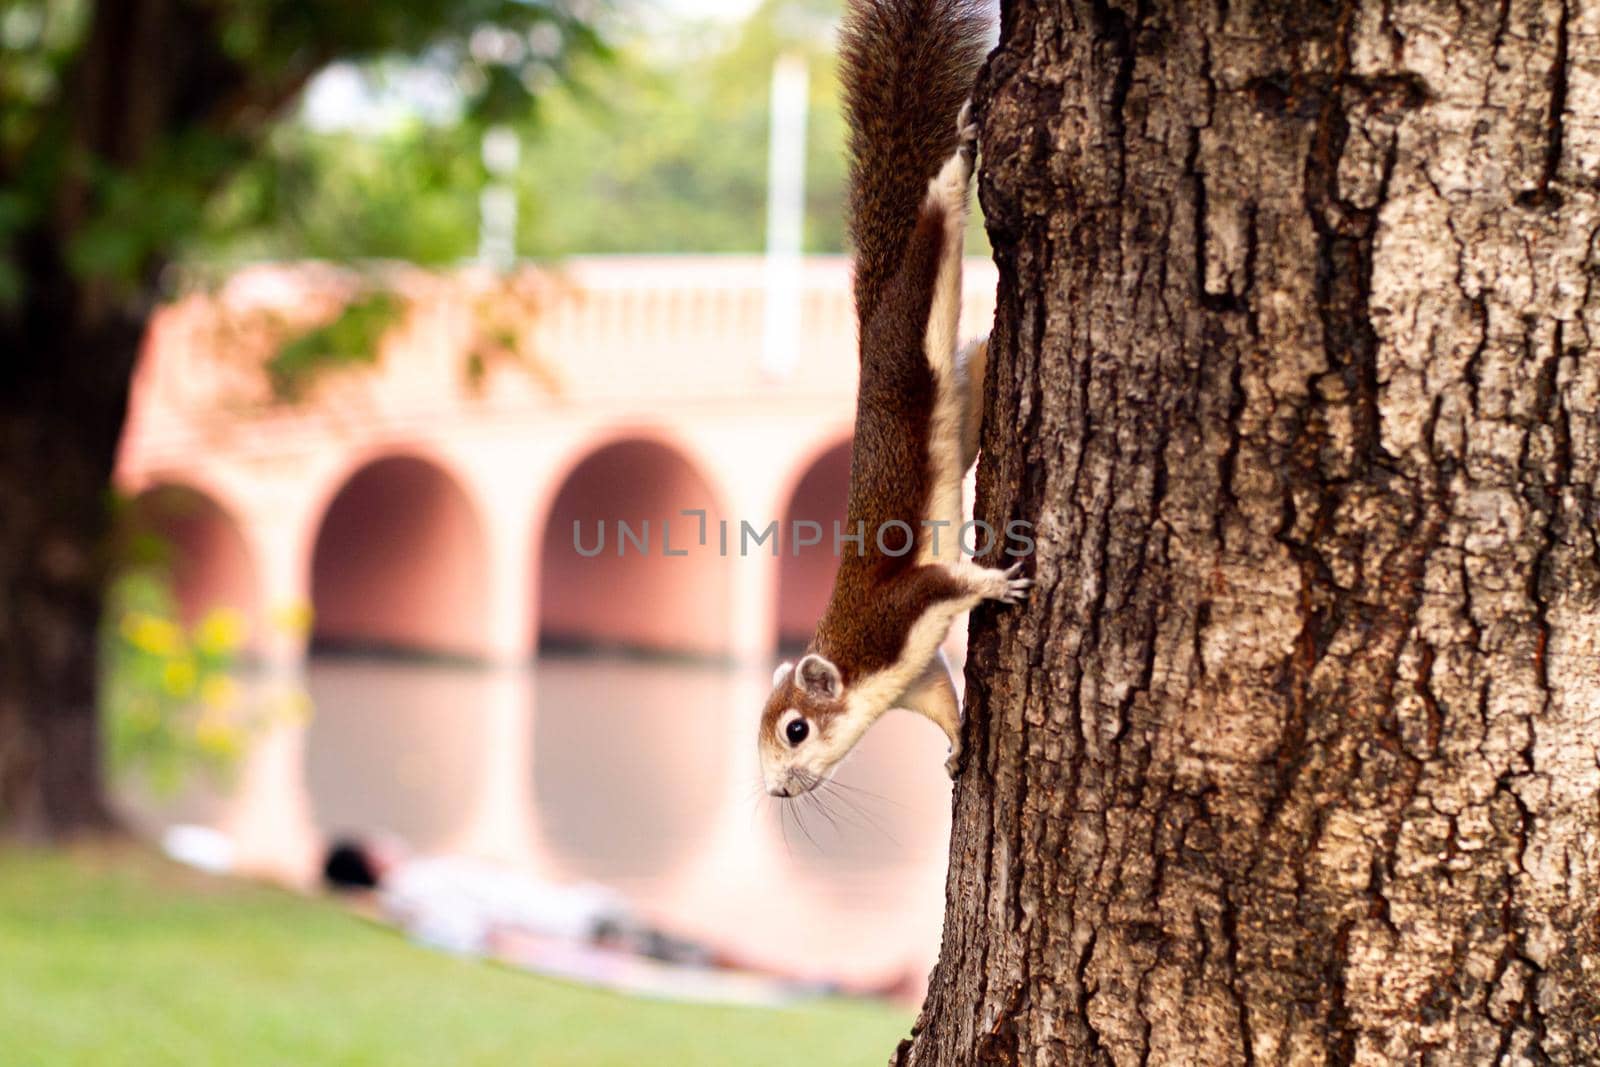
<point>1018,591</point>
<point>1015,588</point>
<point>992,583</point>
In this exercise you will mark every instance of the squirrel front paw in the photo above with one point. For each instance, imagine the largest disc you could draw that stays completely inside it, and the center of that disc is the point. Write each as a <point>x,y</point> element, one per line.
<point>993,583</point>
<point>1005,586</point>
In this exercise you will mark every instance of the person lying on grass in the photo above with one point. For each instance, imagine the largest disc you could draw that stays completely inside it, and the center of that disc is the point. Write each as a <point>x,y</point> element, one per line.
<point>582,932</point>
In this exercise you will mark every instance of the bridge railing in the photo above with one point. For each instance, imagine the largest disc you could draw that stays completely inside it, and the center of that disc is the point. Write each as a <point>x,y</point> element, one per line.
<point>598,330</point>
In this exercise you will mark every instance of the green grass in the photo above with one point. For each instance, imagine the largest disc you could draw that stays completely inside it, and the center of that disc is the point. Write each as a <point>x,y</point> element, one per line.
<point>110,958</point>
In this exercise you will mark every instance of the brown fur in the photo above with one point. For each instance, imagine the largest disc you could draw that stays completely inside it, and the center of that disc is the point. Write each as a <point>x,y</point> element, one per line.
<point>820,713</point>
<point>876,629</point>
<point>889,473</point>
<point>907,68</point>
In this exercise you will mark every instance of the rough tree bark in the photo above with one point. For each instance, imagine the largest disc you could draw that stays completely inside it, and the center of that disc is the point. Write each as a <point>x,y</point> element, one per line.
<point>1293,757</point>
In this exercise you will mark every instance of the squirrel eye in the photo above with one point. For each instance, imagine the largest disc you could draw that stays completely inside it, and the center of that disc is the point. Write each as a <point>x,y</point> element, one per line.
<point>796,731</point>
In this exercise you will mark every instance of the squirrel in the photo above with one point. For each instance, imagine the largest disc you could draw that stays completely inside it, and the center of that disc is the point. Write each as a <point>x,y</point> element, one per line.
<point>907,68</point>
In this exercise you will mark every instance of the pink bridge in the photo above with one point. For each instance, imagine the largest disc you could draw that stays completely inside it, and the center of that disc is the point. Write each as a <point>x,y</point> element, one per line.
<point>428,504</point>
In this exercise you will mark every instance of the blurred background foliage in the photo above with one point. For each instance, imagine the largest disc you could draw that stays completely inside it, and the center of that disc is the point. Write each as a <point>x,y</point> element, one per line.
<point>655,144</point>
<point>172,706</point>
<point>125,184</point>
<point>176,695</point>
<point>351,339</point>
<point>174,702</point>
<point>641,132</point>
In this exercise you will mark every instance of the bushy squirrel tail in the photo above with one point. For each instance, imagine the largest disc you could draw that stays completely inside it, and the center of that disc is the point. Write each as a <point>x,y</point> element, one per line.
<point>907,66</point>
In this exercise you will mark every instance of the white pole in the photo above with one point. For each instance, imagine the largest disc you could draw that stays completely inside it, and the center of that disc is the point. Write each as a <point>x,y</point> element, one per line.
<point>497,204</point>
<point>786,212</point>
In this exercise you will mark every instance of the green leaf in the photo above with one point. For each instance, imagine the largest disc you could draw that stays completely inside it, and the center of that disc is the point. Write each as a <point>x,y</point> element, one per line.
<point>353,338</point>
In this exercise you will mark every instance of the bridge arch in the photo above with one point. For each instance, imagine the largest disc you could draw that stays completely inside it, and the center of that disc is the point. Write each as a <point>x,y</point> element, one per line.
<point>653,732</point>
<point>205,548</point>
<point>399,561</point>
<point>619,567</point>
<point>805,579</point>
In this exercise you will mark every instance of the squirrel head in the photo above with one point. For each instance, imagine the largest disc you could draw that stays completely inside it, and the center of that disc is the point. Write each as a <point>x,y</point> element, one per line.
<point>804,730</point>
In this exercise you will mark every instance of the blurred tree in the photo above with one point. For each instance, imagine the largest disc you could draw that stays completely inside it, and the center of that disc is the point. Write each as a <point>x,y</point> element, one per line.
<point>409,193</point>
<point>672,157</point>
<point>661,147</point>
<point>666,150</point>
<point>119,121</point>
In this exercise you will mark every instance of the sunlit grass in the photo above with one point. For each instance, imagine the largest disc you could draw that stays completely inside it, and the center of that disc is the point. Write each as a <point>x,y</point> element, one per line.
<point>110,958</point>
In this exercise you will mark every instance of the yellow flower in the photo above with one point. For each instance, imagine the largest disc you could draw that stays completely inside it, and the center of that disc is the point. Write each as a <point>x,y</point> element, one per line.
<point>221,631</point>
<point>293,618</point>
<point>157,636</point>
<point>178,676</point>
<point>219,691</point>
<point>215,735</point>
<point>293,706</point>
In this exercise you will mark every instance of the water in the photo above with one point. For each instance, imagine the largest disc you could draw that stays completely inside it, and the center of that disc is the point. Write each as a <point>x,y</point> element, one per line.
<point>639,775</point>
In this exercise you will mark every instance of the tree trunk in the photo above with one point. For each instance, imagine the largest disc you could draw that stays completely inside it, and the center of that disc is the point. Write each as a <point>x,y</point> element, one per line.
<point>64,377</point>
<point>1293,756</point>
<point>148,75</point>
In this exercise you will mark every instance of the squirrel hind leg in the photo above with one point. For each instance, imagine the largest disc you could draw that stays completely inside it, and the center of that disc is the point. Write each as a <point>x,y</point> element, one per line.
<point>974,368</point>
<point>947,199</point>
<point>951,188</point>
<point>967,130</point>
<point>933,695</point>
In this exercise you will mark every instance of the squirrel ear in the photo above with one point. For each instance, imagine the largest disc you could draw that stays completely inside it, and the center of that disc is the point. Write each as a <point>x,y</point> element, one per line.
<point>819,678</point>
<point>781,673</point>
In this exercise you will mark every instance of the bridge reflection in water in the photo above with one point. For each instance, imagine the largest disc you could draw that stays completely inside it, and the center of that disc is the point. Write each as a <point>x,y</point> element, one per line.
<point>479,686</point>
<point>630,773</point>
